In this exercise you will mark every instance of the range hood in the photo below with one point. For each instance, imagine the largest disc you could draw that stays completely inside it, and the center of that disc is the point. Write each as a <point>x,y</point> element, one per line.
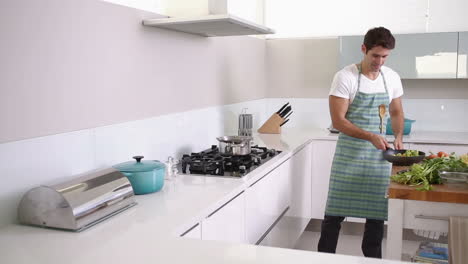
<point>216,22</point>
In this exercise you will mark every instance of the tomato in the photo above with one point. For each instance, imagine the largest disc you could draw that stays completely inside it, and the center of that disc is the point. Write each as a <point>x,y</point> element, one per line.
<point>441,154</point>
<point>433,156</point>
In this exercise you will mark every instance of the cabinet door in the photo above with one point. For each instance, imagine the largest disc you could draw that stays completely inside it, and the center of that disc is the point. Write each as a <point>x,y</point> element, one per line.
<point>350,50</point>
<point>266,200</point>
<point>322,158</point>
<point>462,70</point>
<point>416,56</point>
<point>425,56</point>
<point>193,232</point>
<point>289,228</point>
<point>227,223</point>
<point>301,182</point>
<point>434,148</point>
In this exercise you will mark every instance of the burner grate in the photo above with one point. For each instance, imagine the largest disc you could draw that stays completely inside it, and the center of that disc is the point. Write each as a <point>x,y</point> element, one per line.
<point>211,162</point>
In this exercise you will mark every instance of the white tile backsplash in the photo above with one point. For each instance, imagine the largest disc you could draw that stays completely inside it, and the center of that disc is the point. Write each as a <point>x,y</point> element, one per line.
<point>46,160</point>
<point>307,112</point>
<point>52,159</point>
<point>430,114</point>
<point>437,114</point>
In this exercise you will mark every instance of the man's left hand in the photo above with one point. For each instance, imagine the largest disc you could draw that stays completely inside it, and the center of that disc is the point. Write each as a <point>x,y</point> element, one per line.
<point>398,143</point>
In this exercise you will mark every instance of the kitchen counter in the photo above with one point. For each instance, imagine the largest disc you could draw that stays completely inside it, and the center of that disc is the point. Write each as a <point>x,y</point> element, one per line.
<point>427,137</point>
<point>447,193</point>
<point>150,231</point>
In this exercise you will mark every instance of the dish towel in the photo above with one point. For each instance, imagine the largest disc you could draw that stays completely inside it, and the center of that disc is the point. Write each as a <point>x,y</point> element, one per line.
<point>458,240</point>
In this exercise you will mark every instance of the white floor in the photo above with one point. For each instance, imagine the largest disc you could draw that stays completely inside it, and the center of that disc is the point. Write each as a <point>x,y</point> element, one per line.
<point>349,244</point>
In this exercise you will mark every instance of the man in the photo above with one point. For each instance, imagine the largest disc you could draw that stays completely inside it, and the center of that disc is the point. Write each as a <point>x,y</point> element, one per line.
<point>360,176</point>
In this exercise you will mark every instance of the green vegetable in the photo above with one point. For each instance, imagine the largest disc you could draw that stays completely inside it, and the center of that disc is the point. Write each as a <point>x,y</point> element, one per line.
<point>408,153</point>
<point>427,172</point>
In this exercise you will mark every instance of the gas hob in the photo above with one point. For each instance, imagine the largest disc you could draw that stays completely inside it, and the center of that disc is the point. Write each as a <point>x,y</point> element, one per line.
<point>211,162</point>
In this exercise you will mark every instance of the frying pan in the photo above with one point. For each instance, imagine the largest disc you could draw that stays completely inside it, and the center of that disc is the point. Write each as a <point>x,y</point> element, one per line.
<point>389,155</point>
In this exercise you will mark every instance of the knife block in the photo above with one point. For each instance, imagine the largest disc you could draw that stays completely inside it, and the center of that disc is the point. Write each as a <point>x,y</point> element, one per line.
<point>272,125</point>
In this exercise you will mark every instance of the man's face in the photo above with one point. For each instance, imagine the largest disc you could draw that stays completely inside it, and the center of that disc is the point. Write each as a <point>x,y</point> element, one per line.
<point>375,57</point>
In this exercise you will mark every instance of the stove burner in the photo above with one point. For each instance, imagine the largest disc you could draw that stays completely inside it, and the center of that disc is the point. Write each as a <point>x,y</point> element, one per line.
<point>212,162</point>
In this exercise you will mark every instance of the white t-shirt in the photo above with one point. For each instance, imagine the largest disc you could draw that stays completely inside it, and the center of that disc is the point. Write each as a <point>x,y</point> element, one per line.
<point>345,83</point>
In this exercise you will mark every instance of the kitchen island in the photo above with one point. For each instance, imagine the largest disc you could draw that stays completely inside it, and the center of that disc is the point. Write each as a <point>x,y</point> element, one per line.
<point>422,210</point>
<point>152,231</point>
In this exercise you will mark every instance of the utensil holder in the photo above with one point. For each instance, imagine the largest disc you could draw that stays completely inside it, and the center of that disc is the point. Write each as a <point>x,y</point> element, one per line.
<point>272,125</point>
<point>245,123</point>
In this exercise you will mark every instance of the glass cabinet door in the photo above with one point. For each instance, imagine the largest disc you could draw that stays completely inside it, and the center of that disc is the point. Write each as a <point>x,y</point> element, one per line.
<point>462,70</point>
<point>425,56</point>
<point>416,56</point>
<point>350,50</point>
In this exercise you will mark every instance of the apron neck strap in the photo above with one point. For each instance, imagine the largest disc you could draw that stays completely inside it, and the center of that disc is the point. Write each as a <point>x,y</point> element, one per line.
<point>359,67</point>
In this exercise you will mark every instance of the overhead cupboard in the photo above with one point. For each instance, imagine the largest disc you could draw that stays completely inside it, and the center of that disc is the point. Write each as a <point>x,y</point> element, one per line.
<point>417,56</point>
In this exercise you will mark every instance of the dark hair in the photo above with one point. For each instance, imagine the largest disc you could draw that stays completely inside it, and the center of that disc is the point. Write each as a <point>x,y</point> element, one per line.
<point>379,36</point>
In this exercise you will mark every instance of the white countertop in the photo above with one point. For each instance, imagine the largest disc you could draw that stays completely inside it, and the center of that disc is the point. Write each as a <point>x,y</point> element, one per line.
<point>149,232</point>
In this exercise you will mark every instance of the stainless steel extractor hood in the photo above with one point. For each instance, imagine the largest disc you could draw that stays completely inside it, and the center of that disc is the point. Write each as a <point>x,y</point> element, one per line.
<point>215,22</point>
<point>210,26</point>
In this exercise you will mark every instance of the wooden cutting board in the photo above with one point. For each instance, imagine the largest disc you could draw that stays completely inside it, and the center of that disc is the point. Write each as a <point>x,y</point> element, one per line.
<point>447,192</point>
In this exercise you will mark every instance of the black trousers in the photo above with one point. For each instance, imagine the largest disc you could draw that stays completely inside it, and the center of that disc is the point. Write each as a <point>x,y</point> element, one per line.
<point>371,242</point>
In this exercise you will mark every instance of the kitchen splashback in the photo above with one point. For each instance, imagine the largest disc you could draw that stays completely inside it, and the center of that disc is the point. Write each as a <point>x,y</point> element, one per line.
<point>430,114</point>
<point>52,159</point>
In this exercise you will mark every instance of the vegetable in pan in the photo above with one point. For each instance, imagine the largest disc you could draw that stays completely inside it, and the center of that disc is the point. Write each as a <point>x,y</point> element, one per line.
<point>427,172</point>
<point>408,153</point>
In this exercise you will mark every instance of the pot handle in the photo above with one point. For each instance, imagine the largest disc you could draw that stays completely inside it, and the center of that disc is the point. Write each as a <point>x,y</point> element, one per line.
<point>138,158</point>
<point>228,148</point>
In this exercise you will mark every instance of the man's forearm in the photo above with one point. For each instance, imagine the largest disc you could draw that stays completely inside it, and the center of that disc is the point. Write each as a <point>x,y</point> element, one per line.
<point>398,122</point>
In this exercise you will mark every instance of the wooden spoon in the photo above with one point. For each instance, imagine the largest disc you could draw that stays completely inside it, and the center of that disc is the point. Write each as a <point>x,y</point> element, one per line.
<point>382,110</point>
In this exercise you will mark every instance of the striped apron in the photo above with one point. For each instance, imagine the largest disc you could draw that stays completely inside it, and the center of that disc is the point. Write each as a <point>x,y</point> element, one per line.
<point>360,176</point>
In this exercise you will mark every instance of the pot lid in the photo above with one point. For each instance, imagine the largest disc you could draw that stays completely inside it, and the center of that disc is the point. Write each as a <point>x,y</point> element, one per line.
<point>139,165</point>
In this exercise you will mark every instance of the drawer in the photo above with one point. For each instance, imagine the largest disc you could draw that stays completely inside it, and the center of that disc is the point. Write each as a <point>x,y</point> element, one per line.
<point>417,212</point>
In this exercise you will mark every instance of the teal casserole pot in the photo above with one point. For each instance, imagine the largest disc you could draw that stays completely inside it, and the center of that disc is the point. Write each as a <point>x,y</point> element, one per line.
<point>144,176</point>
<point>406,129</point>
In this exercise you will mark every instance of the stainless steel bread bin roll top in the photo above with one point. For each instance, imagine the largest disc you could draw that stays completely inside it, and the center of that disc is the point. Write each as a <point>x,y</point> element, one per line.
<point>79,203</point>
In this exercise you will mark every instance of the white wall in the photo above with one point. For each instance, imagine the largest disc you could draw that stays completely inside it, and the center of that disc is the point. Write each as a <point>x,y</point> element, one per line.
<point>75,64</point>
<point>318,18</point>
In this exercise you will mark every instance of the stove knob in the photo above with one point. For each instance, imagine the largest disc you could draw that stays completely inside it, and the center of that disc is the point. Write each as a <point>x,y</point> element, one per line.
<point>257,161</point>
<point>242,169</point>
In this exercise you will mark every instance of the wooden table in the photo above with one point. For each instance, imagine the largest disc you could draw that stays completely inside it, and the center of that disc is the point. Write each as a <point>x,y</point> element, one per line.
<point>428,210</point>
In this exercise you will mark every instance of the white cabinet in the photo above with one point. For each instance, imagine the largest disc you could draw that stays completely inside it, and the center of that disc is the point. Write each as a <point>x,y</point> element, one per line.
<point>193,232</point>
<point>227,223</point>
<point>434,148</point>
<point>289,228</point>
<point>322,158</point>
<point>266,200</point>
<point>301,182</point>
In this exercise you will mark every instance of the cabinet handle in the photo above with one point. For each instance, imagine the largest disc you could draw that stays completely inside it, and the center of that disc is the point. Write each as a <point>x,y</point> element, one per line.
<point>190,229</point>
<point>442,218</point>
<point>214,212</point>
<point>272,226</point>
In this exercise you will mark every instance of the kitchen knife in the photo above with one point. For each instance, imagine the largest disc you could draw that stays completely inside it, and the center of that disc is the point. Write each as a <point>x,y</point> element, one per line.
<point>284,122</point>
<point>288,114</point>
<point>285,111</point>
<point>282,108</point>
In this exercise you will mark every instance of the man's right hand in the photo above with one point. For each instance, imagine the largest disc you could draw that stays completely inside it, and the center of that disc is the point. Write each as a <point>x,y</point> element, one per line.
<point>379,142</point>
